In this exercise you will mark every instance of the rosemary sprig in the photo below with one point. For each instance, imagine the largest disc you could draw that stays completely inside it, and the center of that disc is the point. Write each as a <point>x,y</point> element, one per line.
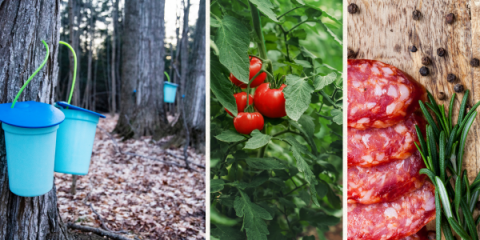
<point>442,150</point>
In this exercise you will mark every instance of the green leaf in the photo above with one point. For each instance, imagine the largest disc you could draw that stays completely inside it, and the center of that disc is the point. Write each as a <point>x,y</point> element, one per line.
<point>337,115</point>
<point>463,139</point>
<point>303,63</point>
<point>265,163</point>
<point>233,40</point>
<point>438,219</point>
<point>297,97</point>
<point>216,185</point>
<point>253,217</point>
<point>444,197</point>
<point>329,31</point>
<point>230,136</point>
<point>257,140</point>
<point>325,14</point>
<point>458,229</point>
<point>321,81</point>
<point>318,218</point>
<point>221,86</point>
<point>265,6</point>
<point>227,233</point>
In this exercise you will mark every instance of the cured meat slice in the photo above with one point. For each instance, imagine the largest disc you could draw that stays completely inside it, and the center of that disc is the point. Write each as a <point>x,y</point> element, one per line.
<point>386,182</point>
<point>420,235</point>
<point>376,146</point>
<point>393,220</point>
<point>380,95</point>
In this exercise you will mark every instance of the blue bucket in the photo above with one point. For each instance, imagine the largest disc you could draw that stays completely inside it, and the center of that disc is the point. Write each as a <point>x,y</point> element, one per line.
<point>30,159</point>
<point>75,140</point>
<point>169,92</point>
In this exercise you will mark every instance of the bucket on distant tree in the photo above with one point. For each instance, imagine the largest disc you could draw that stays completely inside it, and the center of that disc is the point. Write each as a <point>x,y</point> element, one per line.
<point>169,90</point>
<point>30,139</point>
<point>76,134</point>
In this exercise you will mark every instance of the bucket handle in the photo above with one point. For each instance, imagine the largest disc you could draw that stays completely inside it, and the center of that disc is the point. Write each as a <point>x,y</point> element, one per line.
<point>33,75</point>
<point>74,69</point>
<point>168,77</point>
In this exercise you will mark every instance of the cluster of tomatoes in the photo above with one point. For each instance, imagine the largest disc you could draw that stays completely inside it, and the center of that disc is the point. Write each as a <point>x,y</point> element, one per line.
<point>267,100</point>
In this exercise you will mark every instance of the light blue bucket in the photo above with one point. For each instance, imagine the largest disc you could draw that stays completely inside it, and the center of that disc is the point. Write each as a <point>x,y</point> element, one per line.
<point>169,92</point>
<point>30,159</point>
<point>75,140</point>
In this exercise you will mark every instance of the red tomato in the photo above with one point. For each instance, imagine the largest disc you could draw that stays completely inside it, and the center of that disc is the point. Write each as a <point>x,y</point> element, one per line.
<point>241,99</point>
<point>255,67</point>
<point>270,102</point>
<point>246,122</point>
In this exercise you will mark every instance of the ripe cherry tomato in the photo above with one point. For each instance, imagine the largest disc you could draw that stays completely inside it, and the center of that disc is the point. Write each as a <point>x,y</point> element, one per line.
<point>246,122</point>
<point>255,67</point>
<point>241,99</point>
<point>270,102</point>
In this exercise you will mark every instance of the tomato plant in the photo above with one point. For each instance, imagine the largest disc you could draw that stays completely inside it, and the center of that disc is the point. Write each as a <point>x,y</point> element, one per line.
<point>282,180</point>
<point>241,100</point>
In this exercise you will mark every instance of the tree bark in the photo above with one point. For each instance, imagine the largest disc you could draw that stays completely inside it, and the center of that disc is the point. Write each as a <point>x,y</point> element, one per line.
<point>113,110</point>
<point>91,33</point>
<point>141,108</point>
<point>24,24</point>
<point>74,19</point>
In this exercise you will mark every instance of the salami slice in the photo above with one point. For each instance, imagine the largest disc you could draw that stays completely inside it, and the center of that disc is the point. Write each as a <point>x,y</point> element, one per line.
<point>380,95</point>
<point>420,235</point>
<point>386,182</point>
<point>393,220</point>
<point>376,146</point>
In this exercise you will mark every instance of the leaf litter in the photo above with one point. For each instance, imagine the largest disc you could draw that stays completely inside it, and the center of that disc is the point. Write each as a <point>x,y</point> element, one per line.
<point>144,197</point>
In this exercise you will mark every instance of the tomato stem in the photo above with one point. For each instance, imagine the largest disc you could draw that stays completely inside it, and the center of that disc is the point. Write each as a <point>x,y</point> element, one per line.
<point>257,26</point>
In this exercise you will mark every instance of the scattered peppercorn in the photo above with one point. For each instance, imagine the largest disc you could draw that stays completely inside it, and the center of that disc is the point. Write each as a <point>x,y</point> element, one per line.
<point>351,54</point>
<point>431,235</point>
<point>413,49</point>
<point>424,71</point>
<point>474,62</point>
<point>451,78</point>
<point>426,60</point>
<point>441,52</point>
<point>416,15</point>
<point>450,18</point>
<point>441,96</point>
<point>458,88</point>
<point>352,8</point>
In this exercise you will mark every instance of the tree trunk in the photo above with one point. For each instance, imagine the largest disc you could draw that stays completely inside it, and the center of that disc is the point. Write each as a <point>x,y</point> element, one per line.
<point>91,33</point>
<point>113,110</point>
<point>74,19</point>
<point>141,108</point>
<point>24,24</point>
<point>195,84</point>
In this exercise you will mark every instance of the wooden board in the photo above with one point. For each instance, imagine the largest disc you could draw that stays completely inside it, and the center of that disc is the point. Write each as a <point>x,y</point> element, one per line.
<point>384,29</point>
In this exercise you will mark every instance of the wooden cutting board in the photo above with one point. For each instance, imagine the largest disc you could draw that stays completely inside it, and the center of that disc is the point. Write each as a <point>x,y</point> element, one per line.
<point>385,29</point>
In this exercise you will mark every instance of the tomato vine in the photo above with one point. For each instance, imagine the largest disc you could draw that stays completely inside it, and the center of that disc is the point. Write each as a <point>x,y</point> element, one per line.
<point>281,179</point>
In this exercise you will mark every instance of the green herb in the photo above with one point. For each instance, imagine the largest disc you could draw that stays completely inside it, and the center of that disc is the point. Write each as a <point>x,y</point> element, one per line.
<point>442,151</point>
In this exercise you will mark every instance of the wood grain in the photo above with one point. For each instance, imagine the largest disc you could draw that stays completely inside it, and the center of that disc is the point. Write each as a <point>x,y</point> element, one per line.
<point>383,30</point>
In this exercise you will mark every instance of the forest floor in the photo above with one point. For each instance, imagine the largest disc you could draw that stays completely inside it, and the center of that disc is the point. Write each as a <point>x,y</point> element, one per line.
<point>144,197</point>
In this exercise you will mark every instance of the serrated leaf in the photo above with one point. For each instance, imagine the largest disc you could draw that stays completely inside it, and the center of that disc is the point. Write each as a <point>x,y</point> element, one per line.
<point>303,63</point>
<point>300,34</point>
<point>318,218</point>
<point>265,6</point>
<point>257,140</point>
<point>297,96</point>
<point>221,86</point>
<point>299,2</point>
<point>257,181</point>
<point>230,136</point>
<point>214,22</point>
<point>253,217</point>
<point>321,81</point>
<point>232,41</point>
<point>325,14</point>
<point>224,233</point>
<point>265,163</point>
<point>329,31</point>
<point>337,115</point>
<point>216,185</point>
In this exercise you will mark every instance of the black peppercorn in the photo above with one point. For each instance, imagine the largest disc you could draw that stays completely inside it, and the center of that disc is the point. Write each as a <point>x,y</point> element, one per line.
<point>426,60</point>
<point>416,15</point>
<point>413,49</point>
<point>431,235</point>
<point>458,88</point>
<point>451,78</point>
<point>424,71</point>
<point>441,52</point>
<point>474,62</point>
<point>450,18</point>
<point>441,96</point>
<point>352,8</point>
<point>351,54</point>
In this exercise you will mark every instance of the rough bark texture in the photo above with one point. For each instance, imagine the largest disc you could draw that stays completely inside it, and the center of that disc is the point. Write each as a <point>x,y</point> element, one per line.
<point>383,30</point>
<point>23,24</point>
<point>141,108</point>
<point>74,19</point>
<point>113,109</point>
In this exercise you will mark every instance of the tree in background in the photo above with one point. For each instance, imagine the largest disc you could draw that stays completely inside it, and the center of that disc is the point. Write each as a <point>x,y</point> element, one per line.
<point>26,23</point>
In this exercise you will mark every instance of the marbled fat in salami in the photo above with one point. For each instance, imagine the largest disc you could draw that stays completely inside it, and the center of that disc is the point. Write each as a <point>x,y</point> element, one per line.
<point>386,182</point>
<point>376,146</point>
<point>392,220</point>
<point>380,95</point>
